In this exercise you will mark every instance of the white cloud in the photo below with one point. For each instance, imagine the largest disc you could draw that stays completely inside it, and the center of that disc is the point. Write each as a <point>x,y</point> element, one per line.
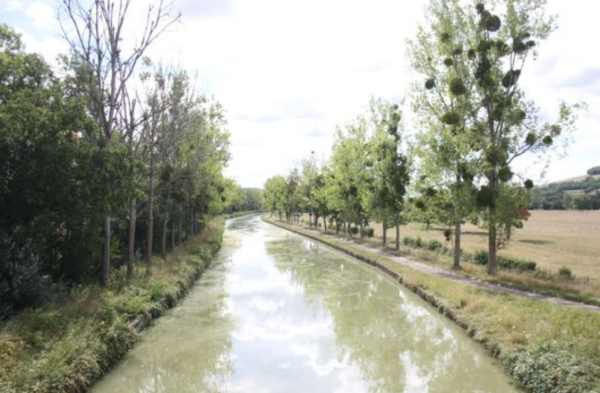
<point>42,15</point>
<point>49,46</point>
<point>289,72</point>
<point>12,5</point>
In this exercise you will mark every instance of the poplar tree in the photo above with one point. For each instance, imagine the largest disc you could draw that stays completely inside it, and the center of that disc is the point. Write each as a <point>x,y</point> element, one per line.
<point>485,46</point>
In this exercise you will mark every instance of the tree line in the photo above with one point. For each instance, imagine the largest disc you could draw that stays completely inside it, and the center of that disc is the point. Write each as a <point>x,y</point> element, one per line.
<point>103,162</point>
<point>567,195</point>
<point>456,164</point>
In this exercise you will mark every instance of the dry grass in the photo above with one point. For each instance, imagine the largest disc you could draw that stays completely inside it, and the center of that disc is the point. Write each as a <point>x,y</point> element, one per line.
<point>553,239</point>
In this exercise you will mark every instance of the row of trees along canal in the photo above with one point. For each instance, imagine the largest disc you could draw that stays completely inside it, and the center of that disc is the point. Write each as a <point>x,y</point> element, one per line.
<point>473,121</point>
<point>92,161</point>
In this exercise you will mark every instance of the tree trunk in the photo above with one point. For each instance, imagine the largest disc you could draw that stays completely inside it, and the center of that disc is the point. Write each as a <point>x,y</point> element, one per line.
<point>163,240</point>
<point>362,229</point>
<point>397,223</point>
<point>180,230</point>
<point>492,267</point>
<point>384,224</point>
<point>194,222</point>
<point>150,233</point>
<point>457,232</point>
<point>172,233</point>
<point>131,238</point>
<point>325,223</point>
<point>191,221</point>
<point>105,275</point>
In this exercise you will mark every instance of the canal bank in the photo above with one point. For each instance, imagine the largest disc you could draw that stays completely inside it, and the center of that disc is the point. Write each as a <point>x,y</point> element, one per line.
<point>543,347</point>
<point>67,347</point>
<point>277,312</point>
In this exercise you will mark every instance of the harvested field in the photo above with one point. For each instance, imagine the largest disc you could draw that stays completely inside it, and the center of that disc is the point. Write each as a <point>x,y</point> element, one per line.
<point>553,239</point>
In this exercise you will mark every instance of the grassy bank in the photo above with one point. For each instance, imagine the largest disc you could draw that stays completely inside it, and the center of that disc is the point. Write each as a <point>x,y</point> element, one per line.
<point>66,348</point>
<point>545,348</point>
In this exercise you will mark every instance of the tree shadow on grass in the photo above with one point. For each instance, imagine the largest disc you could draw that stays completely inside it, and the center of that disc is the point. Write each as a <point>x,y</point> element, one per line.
<point>537,242</point>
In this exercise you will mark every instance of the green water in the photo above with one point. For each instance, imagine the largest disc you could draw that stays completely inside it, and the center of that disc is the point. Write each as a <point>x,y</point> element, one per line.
<point>279,313</point>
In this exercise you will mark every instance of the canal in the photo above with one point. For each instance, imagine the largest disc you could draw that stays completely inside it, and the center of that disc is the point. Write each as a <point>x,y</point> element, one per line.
<point>279,313</point>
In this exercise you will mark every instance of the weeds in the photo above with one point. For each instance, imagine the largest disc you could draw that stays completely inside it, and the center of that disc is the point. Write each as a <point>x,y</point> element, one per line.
<point>66,348</point>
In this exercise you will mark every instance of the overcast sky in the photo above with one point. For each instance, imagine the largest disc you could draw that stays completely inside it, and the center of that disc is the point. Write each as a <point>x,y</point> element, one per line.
<point>289,71</point>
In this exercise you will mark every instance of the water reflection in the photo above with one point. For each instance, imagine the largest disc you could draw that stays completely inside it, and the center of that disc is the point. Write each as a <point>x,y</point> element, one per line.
<point>189,348</point>
<point>279,313</point>
<point>397,342</point>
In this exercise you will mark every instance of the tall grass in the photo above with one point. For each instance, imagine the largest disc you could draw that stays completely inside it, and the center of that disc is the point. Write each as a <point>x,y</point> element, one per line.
<point>66,348</point>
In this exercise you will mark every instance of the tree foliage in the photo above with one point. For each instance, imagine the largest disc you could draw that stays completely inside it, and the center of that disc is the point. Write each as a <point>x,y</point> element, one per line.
<point>472,57</point>
<point>594,171</point>
<point>366,177</point>
<point>60,172</point>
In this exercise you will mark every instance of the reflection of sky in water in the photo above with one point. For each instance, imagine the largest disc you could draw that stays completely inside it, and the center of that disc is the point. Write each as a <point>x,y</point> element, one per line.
<point>279,313</point>
<point>278,336</point>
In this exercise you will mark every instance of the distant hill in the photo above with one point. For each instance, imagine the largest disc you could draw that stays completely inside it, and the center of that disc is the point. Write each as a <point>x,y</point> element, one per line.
<point>576,193</point>
<point>576,179</point>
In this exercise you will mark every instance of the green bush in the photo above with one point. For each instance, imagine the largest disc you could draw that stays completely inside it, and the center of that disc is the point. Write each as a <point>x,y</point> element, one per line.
<point>509,263</point>
<point>132,301</point>
<point>117,340</point>
<point>353,230</point>
<point>368,232</point>
<point>480,257</point>
<point>412,242</point>
<point>550,369</point>
<point>408,241</point>
<point>434,245</point>
<point>565,273</point>
<point>418,242</point>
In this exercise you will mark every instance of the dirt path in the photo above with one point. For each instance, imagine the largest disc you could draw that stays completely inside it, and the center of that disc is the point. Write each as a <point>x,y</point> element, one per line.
<point>436,271</point>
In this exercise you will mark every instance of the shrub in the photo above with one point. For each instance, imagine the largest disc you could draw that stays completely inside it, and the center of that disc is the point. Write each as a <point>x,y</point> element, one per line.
<point>369,232</point>
<point>480,257</point>
<point>550,369</point>
<point>434,245</point>
<point>565,273</point>
<point>22,283</point>
<point>353,230</point>
<point>408,241</point>
<point>117,339</point>
<point>509,263</point>
<point>418,242</point>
